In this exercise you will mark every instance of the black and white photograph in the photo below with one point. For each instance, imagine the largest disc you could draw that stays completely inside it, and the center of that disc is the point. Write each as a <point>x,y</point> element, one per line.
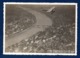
<point>40,29</point>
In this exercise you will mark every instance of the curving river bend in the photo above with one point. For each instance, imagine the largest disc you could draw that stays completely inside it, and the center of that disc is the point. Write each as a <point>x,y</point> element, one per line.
<point>41,20</point>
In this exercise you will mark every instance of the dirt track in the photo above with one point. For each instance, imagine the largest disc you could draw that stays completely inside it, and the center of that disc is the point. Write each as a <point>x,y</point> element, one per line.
<point>42,20</point>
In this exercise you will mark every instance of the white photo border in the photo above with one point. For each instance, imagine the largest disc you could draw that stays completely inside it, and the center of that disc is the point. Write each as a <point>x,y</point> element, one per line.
<point>35,3</point>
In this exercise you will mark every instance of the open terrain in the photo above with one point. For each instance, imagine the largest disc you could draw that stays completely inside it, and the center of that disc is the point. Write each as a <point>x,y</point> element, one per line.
<point>52,33</point>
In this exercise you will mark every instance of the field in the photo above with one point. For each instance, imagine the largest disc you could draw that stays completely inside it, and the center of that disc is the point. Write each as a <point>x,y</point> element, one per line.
<point>17,20</point>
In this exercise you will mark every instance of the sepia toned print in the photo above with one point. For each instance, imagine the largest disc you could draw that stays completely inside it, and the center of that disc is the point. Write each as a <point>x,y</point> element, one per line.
<point>40,29</point>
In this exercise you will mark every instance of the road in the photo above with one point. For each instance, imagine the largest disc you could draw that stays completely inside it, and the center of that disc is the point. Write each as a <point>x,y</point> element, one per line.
<point>41,20</point>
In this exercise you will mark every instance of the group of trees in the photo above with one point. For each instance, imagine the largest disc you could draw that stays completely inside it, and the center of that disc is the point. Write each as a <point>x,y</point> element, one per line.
<point>49,40</point>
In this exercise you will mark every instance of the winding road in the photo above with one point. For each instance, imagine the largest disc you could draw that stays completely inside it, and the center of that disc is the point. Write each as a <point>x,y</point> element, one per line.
<point>42,20</point>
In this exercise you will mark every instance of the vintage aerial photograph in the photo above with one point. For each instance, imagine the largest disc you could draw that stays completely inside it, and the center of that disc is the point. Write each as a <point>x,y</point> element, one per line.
<point>40,28</point>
